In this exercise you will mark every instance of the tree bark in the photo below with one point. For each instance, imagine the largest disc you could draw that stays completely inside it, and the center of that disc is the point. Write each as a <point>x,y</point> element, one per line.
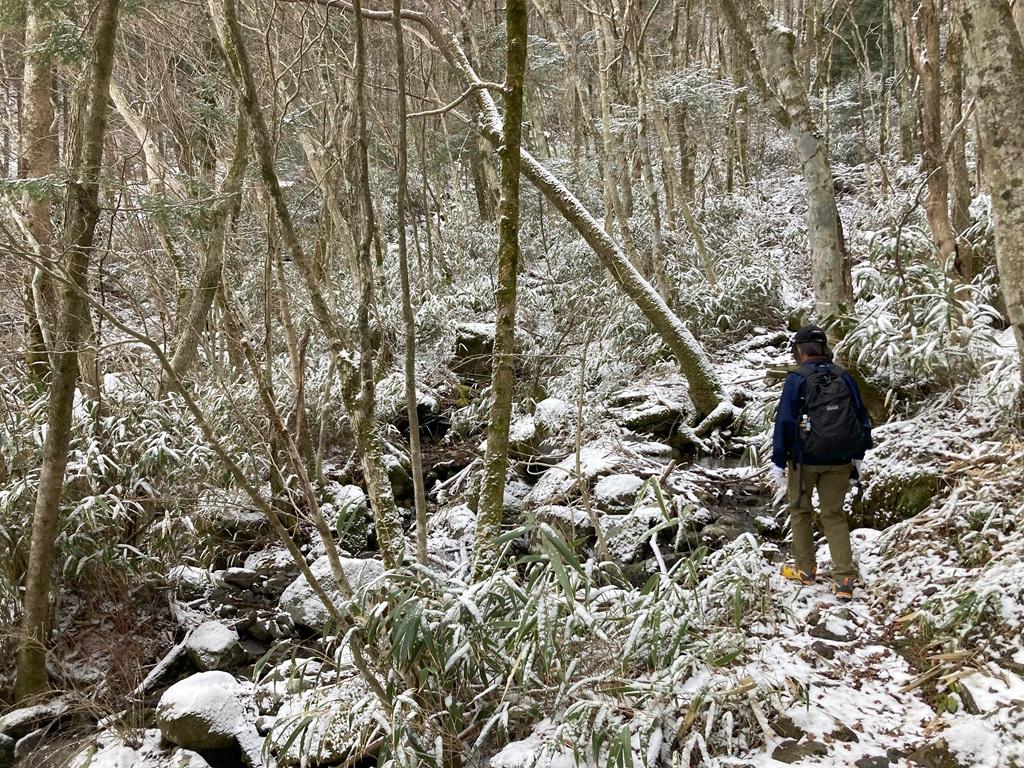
<point>492,485</point>
<point>996,59</point>
<point>959,177</point>
<point>81,217</point>
<point>408,316</point>
<point>779,79</point>
<point>38,159</point>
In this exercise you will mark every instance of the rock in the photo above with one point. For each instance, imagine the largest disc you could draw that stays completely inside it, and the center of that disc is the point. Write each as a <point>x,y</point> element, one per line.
<point>111,750</point>
<point>824,650</point>
<point>523,438</point>
<point>450,533</point>
<point>628,536</point>
<point>790,751</point>
<point>656,409</point>
<point>189,582</point>
<point>785,727</point>
<point>552,414</point>
<point>227,515</point>
<point>570,523</point>
<point>28,743</point>
<point>241,577</point>
<point>935,755</point>
<point>401,480</point>
<point>516,491</point>
<point>327,738</point>
<point>873,762</point>
<point>205,711</point>
<point>474,347</point>
<point>617,491</point>
<point>559,482</point>
<point>834,629</point>
<point>891,496</point>
<point>288,677</point>
<point>304,607</point>
<point>212,645</point>
<point>766,526</point>
<point>725,529</point>
<point>265,724</point>
<point>6,751</point>
<point>347,512</point>
<point>20,722</point>
<point>843,732</point>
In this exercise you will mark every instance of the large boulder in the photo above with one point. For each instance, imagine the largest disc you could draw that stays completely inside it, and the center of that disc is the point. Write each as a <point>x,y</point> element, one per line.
<point>228,516</point>
<point>616,492</point>
<point>208,710</point>
<point>474,350</point>
<point>560,482</point>
<point>302,604</point>
<point>892,496</point>
<point>659,408</point>
<point>19,723</point>
<point>213,645</point>
<point>111,750</point>
<point>328,723</point>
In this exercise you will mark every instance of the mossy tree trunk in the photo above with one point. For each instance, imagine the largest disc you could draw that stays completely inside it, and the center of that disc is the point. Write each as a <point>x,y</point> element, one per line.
<point>82,214</point>
<point>492,486</point>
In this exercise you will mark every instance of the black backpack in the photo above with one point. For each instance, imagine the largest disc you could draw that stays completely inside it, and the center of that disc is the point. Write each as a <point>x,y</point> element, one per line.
<point>829,431</point>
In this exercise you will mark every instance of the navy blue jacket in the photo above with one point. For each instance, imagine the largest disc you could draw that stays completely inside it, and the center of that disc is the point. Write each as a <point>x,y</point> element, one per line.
<point>785,446</point>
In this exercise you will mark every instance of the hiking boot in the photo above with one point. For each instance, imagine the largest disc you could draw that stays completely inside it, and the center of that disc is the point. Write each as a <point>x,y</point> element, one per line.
<point>793,573</point>
<point>843,589</point>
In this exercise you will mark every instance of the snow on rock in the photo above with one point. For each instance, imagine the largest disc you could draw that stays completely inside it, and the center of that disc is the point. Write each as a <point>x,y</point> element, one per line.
<point>209,710</point>
<point>540,748</point>
<point>551,414</point>
<point>213,645</point>
<point>288,677</point>
<point>228,514</point>
<point>301,603</point>
<point>974,743</point>
<point>658,408</point>
<point>327,718</point>
<point>628,536</point>
<point>189,582</point>
<point>111,750</point>
<point>450,533</point>
<point>617,491</point>
<point>560,481</point>
<point>20,722</point>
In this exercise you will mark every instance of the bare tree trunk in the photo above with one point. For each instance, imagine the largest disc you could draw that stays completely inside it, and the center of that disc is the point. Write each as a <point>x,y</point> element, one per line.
<point>925,55</point>
<point>82,214</point>
<point>959,177</point>
<point>194,320</point>
<point>368,441</point>
<point>996,59</point>
<point>904,83</point>
<point>492,485</point>
<point>830,264</point>
<point>38,159</point>
<point>408,316</point>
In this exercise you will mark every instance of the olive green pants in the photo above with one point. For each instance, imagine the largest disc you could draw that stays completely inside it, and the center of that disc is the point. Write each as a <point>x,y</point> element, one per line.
<point>832,482</point>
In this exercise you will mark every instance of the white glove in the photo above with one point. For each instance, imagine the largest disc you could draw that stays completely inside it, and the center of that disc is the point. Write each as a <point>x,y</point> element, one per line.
<point>778,476</point>
<point>858,464</point>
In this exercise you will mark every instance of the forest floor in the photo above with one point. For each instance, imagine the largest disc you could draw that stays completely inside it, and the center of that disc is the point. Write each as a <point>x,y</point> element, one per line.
<point>924,667</point>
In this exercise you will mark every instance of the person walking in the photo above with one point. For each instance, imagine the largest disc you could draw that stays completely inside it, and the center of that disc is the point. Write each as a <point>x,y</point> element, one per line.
<point>822,430</point>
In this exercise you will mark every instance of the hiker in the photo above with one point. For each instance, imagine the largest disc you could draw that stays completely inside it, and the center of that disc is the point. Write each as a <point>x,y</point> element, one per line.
<point>821,432</point>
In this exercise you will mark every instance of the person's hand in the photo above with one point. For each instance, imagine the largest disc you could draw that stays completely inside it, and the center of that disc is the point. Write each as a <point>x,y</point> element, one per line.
<point>778,476</point>
<point>855,472</point>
